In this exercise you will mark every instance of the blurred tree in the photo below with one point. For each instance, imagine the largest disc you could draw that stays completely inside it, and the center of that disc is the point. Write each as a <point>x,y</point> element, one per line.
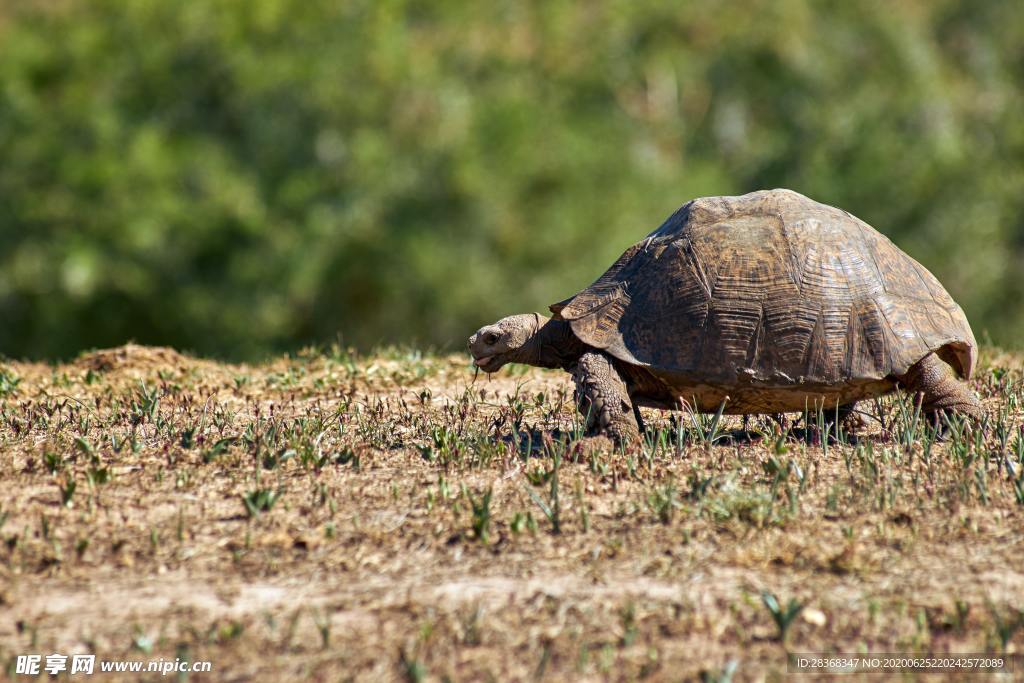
<point>239,177</point>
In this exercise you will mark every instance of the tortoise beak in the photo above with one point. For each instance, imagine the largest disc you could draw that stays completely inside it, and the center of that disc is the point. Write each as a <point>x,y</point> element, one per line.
<point>482,361</point>
<point>482,356</point>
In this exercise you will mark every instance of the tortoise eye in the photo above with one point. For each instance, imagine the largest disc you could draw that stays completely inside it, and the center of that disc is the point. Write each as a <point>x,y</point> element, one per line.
<point>490,339</point>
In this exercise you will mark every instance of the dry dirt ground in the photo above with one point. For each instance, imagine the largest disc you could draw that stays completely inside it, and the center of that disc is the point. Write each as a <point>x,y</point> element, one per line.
<point>394,517</point>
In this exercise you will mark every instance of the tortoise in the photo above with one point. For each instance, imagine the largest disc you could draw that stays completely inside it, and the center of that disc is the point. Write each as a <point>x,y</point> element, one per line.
<point>768,302</point>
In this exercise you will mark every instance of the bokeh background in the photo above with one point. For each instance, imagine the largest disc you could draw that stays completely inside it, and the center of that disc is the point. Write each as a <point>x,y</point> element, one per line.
<point>242,177</point>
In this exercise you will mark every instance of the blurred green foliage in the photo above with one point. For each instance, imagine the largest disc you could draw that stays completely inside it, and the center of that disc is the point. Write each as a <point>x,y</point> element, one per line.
<point>235,177</point>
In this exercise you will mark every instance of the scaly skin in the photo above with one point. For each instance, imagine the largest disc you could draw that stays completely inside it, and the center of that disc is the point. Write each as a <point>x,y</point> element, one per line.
<point>603,399</point>
<point>939,391</point>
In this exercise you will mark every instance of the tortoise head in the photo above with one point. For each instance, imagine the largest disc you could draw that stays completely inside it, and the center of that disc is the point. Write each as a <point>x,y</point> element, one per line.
<point>510,340</point>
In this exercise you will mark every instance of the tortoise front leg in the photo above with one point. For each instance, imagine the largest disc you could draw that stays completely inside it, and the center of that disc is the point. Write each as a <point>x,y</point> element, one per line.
<point>940,392</point>
<point>603,399</point>
<point>843,418</point>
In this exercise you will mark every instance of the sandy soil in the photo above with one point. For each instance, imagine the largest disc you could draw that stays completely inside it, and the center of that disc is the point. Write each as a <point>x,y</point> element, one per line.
<point>404,531</point>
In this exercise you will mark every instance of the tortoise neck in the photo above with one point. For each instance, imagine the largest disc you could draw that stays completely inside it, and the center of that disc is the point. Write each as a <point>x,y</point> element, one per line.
<point>553,345</point>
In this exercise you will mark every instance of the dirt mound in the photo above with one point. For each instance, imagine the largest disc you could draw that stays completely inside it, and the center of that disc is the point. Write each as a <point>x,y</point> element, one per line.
<point>130,355</point>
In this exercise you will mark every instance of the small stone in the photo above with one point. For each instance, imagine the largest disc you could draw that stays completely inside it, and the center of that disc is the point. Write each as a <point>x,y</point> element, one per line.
<point>814,616</point>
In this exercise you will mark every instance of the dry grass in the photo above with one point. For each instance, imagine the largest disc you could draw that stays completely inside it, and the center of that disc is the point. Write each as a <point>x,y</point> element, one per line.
<point>330,516</point>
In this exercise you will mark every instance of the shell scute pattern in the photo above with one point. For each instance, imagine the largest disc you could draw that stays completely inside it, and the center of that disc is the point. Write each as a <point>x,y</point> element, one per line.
<point>773,288</point>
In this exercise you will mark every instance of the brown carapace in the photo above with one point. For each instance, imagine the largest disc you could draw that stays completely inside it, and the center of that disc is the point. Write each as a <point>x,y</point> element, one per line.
<point>767,302</point>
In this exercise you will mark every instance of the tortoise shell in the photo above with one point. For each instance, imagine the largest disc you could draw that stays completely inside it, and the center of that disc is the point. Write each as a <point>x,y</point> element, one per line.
<point>774,292</point>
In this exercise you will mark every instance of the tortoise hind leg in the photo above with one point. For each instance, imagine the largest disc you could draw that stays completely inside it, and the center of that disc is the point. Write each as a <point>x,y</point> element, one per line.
<point>603,399</point>
<point>940,392</point>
